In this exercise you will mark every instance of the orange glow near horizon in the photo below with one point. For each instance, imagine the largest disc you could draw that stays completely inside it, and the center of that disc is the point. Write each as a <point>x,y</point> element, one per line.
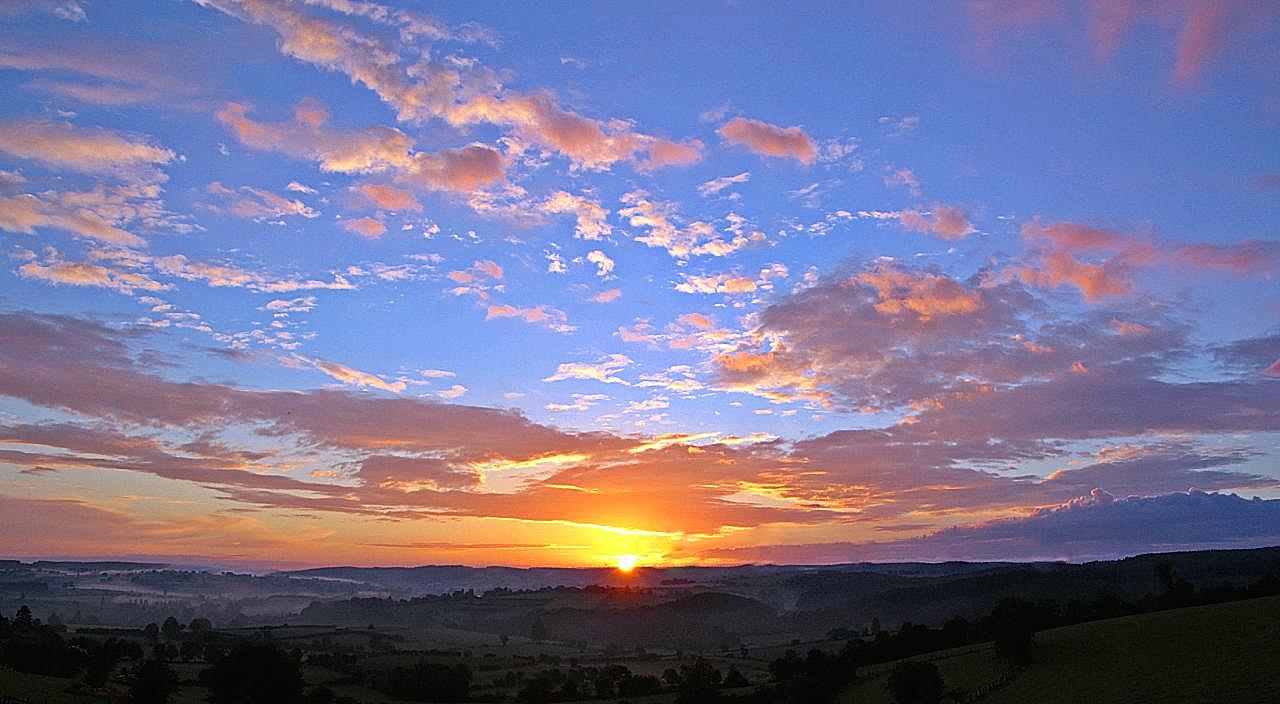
<point>627,563</point>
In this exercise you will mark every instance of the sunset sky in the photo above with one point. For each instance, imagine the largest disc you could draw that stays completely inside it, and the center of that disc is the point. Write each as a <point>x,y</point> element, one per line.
<point>336,282</point>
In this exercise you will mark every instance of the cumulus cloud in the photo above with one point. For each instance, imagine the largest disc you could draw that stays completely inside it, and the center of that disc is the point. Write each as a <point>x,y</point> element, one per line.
<point>389,197</point>
<point>604,265</point>
<point>365,227</point>
<point>592,218</point>
<point>945,221</point>
<point>770,140</point>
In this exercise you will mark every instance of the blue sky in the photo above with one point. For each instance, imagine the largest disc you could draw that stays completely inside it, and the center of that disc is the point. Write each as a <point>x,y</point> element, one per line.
<point>731,257</point>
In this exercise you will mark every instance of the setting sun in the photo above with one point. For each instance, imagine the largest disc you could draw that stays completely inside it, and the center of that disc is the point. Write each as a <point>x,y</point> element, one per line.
<point>626,563</point>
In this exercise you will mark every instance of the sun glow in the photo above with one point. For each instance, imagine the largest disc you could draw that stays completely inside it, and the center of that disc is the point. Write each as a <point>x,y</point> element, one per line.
<point>626,563</point>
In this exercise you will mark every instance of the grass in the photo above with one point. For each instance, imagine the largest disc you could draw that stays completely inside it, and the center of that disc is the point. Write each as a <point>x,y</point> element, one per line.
<point>1218,653</point>
<point>1223,653</point>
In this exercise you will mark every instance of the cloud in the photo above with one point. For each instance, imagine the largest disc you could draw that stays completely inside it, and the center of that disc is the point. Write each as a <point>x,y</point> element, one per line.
<point>389,197</point>
<point>609,296</point>
<point>349,375</point>
<point>365,227</point>
<point>547,316</point>
<point>62,146</point>
<point>452,392</point>
<point>963,357</point>
<point>659,218</point>
<point>591,216</point>
<point>731,283</point>
<point>605,370</point>
<point>1247,257</point>
<point>448,451</point>
<point>770,140</point>
<point>58,272</point>
<point>604,265</point>
<point>715,185</point>
<point>302,304</point>
<point>370,150</point>
<point>1205,30</point>
<point>461,94</point>
<point>902,177</point>
<point>257,204</point>
<point>222,275</point>
<point>461,170</point>
<point>480,269</point>
<point>97,215</point>
<point>1095,526</point>
<point>580,402</point>
<point>945,221</point>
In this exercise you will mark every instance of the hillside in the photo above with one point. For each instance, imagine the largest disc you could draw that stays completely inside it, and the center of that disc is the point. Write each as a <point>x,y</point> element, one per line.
<point>1219,653</point>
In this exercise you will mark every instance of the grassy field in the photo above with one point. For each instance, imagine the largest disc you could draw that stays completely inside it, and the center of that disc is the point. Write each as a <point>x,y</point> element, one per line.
<point>1228,653</point>
<point>1221,653</point>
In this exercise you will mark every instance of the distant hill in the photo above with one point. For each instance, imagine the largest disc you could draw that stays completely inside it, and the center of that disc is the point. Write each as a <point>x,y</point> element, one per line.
<point>856,598</point>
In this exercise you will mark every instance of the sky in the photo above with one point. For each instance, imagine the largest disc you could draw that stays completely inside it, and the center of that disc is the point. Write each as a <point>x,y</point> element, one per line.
<point>339,282</point>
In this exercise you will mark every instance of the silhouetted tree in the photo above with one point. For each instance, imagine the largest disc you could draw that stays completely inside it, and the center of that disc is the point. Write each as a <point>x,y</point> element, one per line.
<point>153,683</point>
<point>200,626</point>
<point>915,682</point>
<point>171,628</point>
<point>1012,624</point>
<point>23,620</point>
<point>733,678</point>
<point>699,683</point>
<point>538,631</point>
<point>102,660</point>
<point>255,674</point>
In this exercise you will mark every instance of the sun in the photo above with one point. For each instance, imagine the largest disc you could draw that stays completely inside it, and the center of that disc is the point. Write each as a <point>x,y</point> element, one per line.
<point>626,563</point>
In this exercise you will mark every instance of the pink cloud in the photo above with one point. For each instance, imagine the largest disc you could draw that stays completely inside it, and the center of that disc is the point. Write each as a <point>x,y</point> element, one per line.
<point>389,198</point>
<point>770,140</point>
<point>365,227</point>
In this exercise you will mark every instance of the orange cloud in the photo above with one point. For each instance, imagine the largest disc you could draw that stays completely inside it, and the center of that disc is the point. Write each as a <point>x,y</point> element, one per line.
<point>770,140</point>
<point>369,150</point>
<point>459,170</point>
<point>89,151</point>
<point>1241,258</point>
<point>545,315</point>
<point>389,198</point>
<point>365,227</point>
<point>592,218</point>
<point>945,221</point>
<point>925,295</point>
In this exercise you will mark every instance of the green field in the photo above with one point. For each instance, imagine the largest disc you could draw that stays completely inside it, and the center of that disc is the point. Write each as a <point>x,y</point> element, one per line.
<point>1228,653</point>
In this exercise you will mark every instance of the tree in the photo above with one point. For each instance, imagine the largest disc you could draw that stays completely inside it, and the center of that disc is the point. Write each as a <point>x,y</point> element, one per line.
<point>102,660</point>
<point>915,682</point>
<point>151,631</point>
<point>200,626</point>
<point>255,674</point>
<point>22,620</point>
<point>1012,624</point>
<point>699,683</point>
<point>733,678</point>
<point>171,628</point>
<point>153,682</point>
<point>538,631</point>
